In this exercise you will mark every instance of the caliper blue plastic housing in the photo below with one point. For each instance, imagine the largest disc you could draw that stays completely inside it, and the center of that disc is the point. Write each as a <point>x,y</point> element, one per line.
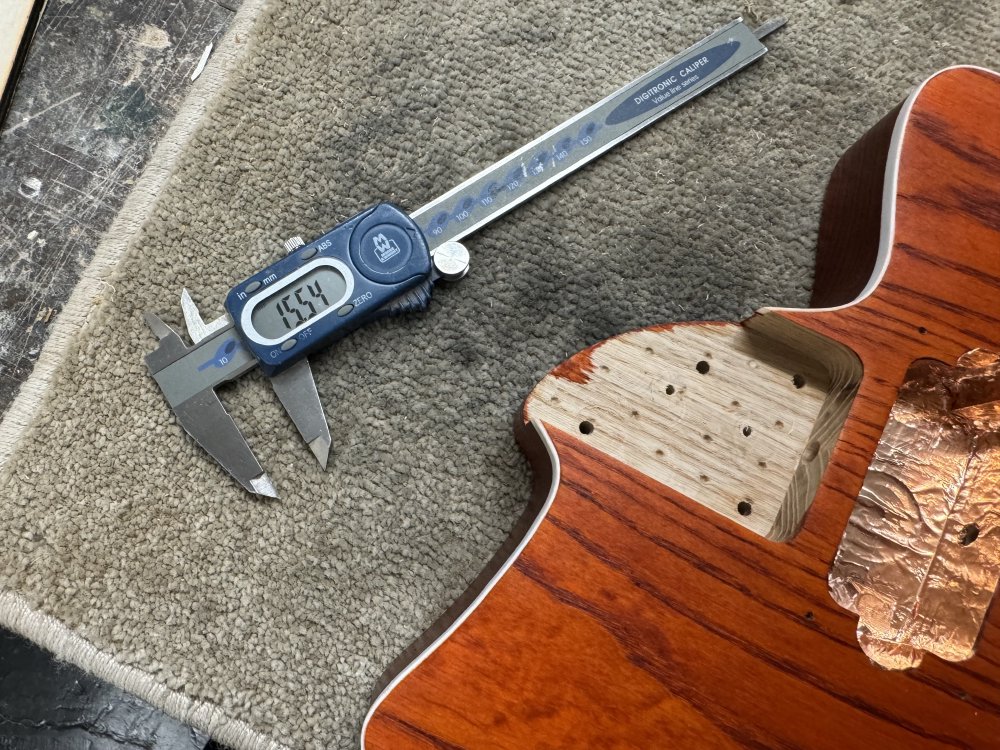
<point>373,265</point>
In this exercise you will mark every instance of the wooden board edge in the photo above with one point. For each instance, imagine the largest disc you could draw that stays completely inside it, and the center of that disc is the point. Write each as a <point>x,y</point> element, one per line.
<point>13,64</point>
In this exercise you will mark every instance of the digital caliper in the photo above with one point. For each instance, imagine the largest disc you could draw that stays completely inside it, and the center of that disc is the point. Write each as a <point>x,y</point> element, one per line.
<point>384,262</point>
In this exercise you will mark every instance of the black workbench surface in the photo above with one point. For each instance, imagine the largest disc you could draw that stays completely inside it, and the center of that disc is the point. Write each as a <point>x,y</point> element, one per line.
<point>100,85</point>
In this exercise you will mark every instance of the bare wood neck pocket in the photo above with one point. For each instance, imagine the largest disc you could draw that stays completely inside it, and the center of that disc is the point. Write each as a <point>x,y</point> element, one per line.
<point>740,418</point>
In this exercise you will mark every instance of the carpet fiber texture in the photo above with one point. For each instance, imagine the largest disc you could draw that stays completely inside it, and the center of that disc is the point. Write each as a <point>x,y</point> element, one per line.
<point>280,616</point>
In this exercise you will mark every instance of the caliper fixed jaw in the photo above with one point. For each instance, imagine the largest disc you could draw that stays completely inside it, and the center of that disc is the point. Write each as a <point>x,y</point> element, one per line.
<point>295,387</point>
<point>188,376</point>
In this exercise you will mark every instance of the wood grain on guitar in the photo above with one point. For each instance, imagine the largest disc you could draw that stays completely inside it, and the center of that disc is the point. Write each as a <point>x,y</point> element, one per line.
<point>668,587</point>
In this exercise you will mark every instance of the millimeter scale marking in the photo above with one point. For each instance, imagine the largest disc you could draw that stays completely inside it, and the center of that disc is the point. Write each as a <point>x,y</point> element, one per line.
<point>588,134</point>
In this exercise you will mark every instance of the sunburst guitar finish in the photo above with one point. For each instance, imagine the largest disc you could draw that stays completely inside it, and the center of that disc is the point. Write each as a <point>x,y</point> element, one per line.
<point>668,584</point>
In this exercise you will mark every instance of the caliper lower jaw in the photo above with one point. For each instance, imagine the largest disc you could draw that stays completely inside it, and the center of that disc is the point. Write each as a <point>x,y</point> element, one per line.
<point>189,375</point>
<point>196,406</point>
<point>295,386</point>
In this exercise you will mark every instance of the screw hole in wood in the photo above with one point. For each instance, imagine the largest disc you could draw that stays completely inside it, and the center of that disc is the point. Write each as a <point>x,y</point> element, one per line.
<point>702,367</point>
<point>586,427</point>
<point>811,450</point>
<point>798,380</point>
<point>670,390</point>
<point>744,508</point>
<point>747,430</point>
<point>970,533</point>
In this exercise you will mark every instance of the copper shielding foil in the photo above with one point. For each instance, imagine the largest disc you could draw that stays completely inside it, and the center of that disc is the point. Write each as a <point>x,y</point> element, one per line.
<point>920,558</point>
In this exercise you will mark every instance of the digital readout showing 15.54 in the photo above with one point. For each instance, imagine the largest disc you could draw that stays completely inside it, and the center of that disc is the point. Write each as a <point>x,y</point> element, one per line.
<point>298,303</point>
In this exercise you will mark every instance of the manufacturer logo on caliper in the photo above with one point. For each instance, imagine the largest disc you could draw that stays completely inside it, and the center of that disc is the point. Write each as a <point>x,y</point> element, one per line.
<point>385,247</point>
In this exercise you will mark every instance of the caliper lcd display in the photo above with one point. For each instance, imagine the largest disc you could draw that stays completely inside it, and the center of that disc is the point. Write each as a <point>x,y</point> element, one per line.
<point>284,311</point>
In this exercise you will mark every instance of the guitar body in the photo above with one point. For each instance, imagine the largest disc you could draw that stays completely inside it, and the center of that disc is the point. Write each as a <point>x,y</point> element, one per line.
<point>670,583</point>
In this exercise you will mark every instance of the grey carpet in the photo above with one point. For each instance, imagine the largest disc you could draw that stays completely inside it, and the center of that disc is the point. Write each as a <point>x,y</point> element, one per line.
<point>283,614</point>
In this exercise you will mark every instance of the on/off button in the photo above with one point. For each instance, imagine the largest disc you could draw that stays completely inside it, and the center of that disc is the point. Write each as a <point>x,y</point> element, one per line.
<point>383,254</point>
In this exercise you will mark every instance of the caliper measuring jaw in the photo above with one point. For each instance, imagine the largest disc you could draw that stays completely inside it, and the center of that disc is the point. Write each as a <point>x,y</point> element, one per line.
<point>376,264</point>
<point>189,387</point>
<point>383,262</point>
<point>188,380</point>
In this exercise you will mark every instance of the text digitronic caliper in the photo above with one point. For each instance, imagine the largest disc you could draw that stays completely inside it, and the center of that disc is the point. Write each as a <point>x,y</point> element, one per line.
<point>384,262</point>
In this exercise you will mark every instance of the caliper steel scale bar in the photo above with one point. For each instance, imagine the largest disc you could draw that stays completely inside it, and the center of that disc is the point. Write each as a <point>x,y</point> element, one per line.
<point>383,262</point>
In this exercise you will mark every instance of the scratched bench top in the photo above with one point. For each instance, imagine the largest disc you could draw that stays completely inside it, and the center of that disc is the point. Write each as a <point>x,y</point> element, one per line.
<point>100,85</point>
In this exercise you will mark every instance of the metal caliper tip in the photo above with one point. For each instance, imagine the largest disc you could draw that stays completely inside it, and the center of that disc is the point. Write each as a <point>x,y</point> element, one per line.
<point>771,24</point>
<point>198,329</point>
<point>262,486</point>
<point>160,329</point>
<point>321,449</point>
